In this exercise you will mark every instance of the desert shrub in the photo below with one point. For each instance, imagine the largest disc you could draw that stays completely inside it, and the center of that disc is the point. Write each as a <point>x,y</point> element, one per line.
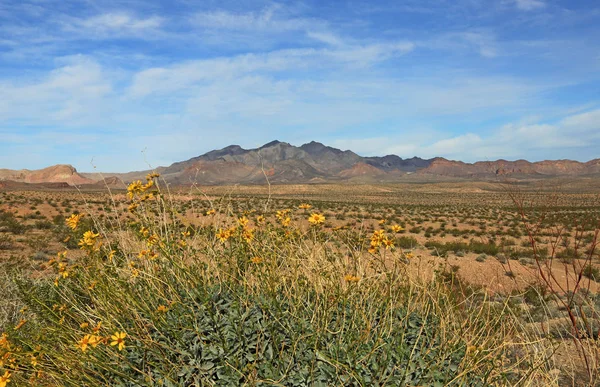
<point>591,272</point>
<point>234,304</point>
<point>406,242</point>
<point>8,223</point>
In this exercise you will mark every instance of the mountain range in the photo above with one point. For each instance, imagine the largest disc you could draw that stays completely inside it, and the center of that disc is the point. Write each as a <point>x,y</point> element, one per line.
<point>281,163</point>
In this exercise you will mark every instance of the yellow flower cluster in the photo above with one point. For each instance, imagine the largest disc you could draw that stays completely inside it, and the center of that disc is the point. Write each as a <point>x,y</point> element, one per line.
<point>283,218</point>
<point>73,221</point>
<point>90,241</point>
<point>93,340</point>
<point>305,206</point>
<point>351,278</point>
<point>89,340</point>
<point>136,189</point>
<point>379,239</point>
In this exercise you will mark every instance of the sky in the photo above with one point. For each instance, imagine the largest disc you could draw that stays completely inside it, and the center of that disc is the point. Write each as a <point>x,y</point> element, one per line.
<point>121,85</point>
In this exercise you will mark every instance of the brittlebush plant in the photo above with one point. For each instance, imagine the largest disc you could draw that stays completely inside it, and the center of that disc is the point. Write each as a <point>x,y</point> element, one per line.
<point>268,299</point>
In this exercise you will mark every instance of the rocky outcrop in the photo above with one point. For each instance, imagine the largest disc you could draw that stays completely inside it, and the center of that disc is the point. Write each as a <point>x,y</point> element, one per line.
<point>54,174</point>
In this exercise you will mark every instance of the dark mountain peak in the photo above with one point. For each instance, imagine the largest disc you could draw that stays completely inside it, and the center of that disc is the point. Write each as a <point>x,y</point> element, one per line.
<point>273,143</point>
<point>316,148</point>
<point>393,162</point>
<point>231,150</point>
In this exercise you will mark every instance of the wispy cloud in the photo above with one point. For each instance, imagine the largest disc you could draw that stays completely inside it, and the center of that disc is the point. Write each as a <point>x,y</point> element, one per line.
<point>529,5</point>
<point>112,24</point>
<point>271,19</point>
<point>526,140</point>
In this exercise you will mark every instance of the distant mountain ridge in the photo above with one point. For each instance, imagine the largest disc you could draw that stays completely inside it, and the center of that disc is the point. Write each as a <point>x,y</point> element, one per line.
<point>313,162</point>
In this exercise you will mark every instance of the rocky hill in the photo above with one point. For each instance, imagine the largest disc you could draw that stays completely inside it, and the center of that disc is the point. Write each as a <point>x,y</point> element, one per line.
<point>54,174</point>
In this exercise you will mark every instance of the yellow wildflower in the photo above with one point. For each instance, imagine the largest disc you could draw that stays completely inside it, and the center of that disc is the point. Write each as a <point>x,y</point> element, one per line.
<point>351,278</point>
<point>256,260</point>
<point>152,175</point>
<point>84,342</point>
<point>248,235</point>
<point>260,219</point>
<point>286,222</point>
<point>377,238</point>
<point>88,241</point>
<point>94,340</point>
<point>97,328</point>
<point>5,379</point>
<point>305,206</point>
<point>118,339</point>
<point>223,235</point>
<point>210,212</point>
<point>84,325</point>
<point>243,221</point>
<point>62,270</point>
<point>134,188</point>
<point>148,185</point>
<point>73,221</point>
<point>397,228</point>
<point>316,219</point>
<point>280,215</point>
<point>162,309</point>
<point>152,240</point>
<point>389,244</point>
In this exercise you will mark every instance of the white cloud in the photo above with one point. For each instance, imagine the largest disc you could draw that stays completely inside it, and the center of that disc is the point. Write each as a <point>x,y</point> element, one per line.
<point>570,136</point>
<point>325,37</point>
<point>462,144</point>
<point>75,91</point>
<point>482,41</point>
<point>271,19</point>
<point>185,75</point>
<point>529,5</point>
<point>112,24</point>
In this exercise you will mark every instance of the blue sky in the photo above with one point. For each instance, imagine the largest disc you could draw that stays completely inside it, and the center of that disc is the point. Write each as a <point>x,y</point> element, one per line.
<point>121,85</point>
